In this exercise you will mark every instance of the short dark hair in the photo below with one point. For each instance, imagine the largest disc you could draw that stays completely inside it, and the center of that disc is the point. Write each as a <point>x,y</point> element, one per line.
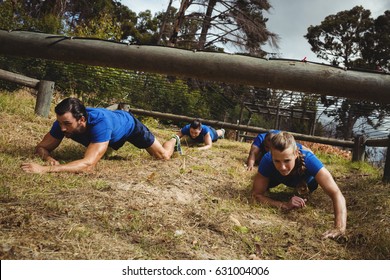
<point>196,124</point>
<point>72,105</point>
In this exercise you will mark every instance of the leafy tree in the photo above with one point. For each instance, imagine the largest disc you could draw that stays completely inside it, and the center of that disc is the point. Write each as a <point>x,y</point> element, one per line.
<point>89,18</point>
<point>102,27</point>
<point>145,31</point>
<point>347,112</point>
<point>376,44</point>
<point>339,38</point>
<point>105,19</point>
<point>16,15</point>
<point>343,39</point>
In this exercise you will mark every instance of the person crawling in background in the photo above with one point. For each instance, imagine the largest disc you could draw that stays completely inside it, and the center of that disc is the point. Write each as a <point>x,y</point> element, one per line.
<point>96,129</point>
<point>259,148</point>
<point>201,133</point>
<point>297,168</point>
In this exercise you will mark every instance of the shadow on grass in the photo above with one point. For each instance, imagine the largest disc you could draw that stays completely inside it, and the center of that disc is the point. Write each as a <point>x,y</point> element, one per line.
<point>65,153</point>
<point>229,191</point>
<point>18,151</point>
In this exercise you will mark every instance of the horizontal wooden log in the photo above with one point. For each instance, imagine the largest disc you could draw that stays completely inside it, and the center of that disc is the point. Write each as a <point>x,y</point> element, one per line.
<point>235,69</point>
<point>18,79</point>
<point>219,124</point>
<point>380,142</point>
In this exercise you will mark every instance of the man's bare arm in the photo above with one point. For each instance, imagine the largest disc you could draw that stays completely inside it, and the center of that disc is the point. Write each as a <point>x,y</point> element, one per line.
<point>47,145</point>
<point>92,155</point>
<point>253,154</point>
<point>207,141</point>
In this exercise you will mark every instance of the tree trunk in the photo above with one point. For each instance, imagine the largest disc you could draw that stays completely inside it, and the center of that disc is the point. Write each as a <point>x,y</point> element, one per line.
<point>206,24</point>
<point>349,123</point>
<point>179,21</point>
<point>162,28</point>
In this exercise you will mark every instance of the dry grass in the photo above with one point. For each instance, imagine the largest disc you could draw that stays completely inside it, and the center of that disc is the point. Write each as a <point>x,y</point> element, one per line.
<point>196,206</point>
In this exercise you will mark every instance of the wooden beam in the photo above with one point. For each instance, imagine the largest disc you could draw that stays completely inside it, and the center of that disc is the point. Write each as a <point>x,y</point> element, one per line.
<point>235,69</point>
<point>18,79</point>
<point>379,142</point>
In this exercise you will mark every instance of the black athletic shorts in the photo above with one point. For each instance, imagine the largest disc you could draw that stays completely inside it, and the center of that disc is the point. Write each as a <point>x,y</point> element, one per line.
<point>141,137</point>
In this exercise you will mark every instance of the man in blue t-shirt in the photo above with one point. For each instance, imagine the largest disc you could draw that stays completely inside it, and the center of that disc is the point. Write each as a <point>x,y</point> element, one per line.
<point>201,133</point>
<point>97,129</point>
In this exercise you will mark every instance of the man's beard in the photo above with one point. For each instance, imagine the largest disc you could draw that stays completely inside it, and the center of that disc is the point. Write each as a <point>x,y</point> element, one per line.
<point>78,130</point>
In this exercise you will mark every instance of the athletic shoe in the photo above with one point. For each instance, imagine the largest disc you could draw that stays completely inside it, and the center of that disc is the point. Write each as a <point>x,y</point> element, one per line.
<point>223,134</point>
<point>178,145</point>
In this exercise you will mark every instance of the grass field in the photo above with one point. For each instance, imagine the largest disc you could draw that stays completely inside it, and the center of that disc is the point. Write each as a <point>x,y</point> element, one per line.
<point>196,206</point>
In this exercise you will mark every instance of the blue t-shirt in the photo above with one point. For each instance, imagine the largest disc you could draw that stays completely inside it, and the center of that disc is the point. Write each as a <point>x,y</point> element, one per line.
<point>102,125</point>
<point>205,129</point>
<point>259,140</point>
<point>267,169</point>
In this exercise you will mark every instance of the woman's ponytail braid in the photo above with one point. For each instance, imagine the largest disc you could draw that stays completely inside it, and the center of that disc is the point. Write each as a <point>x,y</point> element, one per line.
<point>301,167</point>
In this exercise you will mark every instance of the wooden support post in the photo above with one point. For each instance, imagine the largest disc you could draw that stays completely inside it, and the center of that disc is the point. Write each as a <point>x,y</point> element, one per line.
<point>237,131</point>
<point>249,119</point>
<point>386,171</point>
<point>44,97</point>
<point>359,148</point>
<point>240,121</point>
<point>277,119</point>
<point>242,138</point>
<point>312,123</point>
